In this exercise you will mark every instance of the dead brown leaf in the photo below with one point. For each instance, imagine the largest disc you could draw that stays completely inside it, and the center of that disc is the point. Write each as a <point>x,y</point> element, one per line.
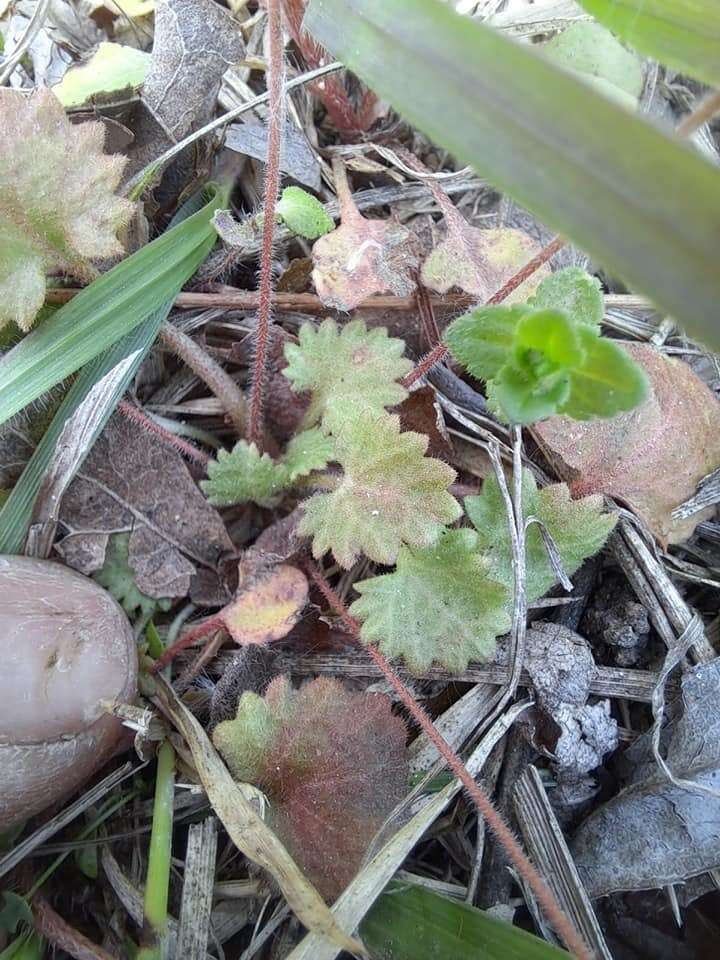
<point>650,458</point>
<point>131,483</point>
<point>361,257</point>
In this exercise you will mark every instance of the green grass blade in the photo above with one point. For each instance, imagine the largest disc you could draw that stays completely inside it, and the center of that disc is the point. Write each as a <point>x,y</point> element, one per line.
<point>684,34</point>
<point>642,204</point>
<point>409,922</point>
<point>106,310</point>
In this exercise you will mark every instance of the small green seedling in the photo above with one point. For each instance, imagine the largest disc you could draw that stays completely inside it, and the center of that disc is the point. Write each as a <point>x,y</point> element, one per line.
<point>303,214</point>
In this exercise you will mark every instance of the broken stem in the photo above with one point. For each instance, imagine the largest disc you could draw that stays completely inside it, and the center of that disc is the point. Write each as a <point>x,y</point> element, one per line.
<point>272,187</point>
<point>215,622</point>
<point>210,372</point>
<point>440,351</point>
<point>485,806</point>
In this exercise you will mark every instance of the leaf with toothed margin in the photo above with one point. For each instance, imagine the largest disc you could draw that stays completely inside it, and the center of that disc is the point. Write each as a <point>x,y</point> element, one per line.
<point>243,475</point>
<point>390,494</point>
<point>57,204</point>
<point>348,370</point>
<point>307,451</point>
<point>438,606</point>
<point>579,529</point>
<point>332,763</point>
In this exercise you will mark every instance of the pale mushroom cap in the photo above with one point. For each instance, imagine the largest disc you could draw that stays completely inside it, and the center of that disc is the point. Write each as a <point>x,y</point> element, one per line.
<point>66,647</point>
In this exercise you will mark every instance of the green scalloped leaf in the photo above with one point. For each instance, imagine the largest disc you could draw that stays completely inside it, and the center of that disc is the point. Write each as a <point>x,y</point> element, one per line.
<point>307,451</point>
<point>575,291</point>
<point>579,529</point>
<point>243,475</point>
<point>348,371</point>
<point>303,214</point>
<point>438,605</point>
<point>390,494</point>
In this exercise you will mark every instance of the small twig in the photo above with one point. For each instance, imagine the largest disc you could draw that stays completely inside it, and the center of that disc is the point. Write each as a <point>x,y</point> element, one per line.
<point>135,414</point>
<point>440,351</point>
<point>31,31</point>
<point>272,187</point>
<point>708,107</point>
<point>481,800</point>
<point>62,936</point>
<point>201,363</point>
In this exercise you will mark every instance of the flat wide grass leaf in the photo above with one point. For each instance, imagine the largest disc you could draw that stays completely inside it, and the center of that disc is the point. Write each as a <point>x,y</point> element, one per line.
<point>438,605</point>
<point>332,763</point>
<point>579,529</point>
<point>390,494</point>
<point>410,922</point>
<point>348,370</point>
<point>684,35</point>
<point>585,166</point>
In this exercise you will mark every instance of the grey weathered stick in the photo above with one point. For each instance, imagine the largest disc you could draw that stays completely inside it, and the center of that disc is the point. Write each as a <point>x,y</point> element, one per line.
<point>549,852</point>
<point>197,890</point>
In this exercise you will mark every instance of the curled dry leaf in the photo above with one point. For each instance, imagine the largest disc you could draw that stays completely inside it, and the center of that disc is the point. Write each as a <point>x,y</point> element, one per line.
<point>57,203</point>
<point>361,257</point>
<point>332,763</point>
<point>479,261</point>
<point>267,606</point>
<point>637,456</point>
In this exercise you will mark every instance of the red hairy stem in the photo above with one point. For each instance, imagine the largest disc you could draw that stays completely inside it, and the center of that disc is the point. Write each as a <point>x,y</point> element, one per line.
<point>440,351</point>
<point>482,801</point>
<point>215,622</point>
<point>135,414</point>
<point>272,187</point>
<point>210,372</point>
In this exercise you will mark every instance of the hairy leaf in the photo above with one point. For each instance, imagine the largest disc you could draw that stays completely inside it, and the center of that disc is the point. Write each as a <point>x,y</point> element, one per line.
<point>437,606</point>
<point>119,580</point>
<point>348,370</point>
<point>390,494</point>
<point>307,451</point>
<point>303,214</point>
<point>362,256</point>
<point>57,203</point>
<point>685,36</point>
<point>111,69</point>
<point>575,291</point>
<point>243,474</point>
<point>579,529</point>
<point>651,458</point>
<point>541,361</point>
<point>332,764</point>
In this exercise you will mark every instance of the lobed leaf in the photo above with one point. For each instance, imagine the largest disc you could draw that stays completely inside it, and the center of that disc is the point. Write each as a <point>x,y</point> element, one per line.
<point>118,579</point>
<point>438,606</point>
<point>244,475</point>
<point>57,204</point>
<point>307,451</point>
<point>332,763</point>
<point>348,371</point>
<point>390,494</point>
<point>579,529</point>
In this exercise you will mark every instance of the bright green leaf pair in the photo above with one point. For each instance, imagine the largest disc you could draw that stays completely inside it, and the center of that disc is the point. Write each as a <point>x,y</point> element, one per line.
<point>541,359</point>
